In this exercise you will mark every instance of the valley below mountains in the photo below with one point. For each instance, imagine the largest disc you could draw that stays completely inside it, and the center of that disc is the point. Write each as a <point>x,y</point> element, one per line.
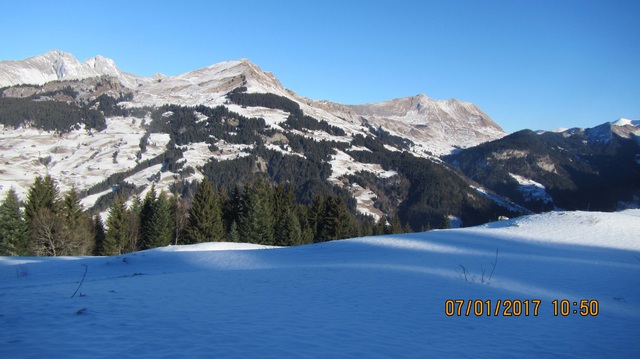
<point>429,163</point>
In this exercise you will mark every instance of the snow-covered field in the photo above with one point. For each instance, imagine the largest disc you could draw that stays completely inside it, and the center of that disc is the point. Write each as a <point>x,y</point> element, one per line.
<point>365,297</point>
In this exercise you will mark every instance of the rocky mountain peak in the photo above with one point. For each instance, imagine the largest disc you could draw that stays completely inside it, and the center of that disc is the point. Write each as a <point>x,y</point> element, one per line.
<point>58,65</point>
<point>449,122</point>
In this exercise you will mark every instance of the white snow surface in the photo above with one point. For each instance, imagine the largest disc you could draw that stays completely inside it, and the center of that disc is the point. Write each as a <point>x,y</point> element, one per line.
<point>371,297</point>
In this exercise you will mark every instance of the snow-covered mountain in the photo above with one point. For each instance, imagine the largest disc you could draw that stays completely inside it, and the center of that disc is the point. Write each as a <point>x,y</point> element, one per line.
<point>58,65</point>
<point>133,130</point>
<point>132,137</point>
<point>593,168</point>
<point>436,126</point>
<point>448,122</point>
<point>557,285</point>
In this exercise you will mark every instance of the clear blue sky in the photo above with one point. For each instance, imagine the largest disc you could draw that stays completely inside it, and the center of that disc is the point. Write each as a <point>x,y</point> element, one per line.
<point>527,64</point>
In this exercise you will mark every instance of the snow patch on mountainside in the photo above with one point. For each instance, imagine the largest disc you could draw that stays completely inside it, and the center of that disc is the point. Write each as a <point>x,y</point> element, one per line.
<point>365,201</point>
<point>342,165</point>
<point>272,117</point>
<point>626,122</point>
<point>501,201</point>
<point>531,190</point>
<point>196,154</point>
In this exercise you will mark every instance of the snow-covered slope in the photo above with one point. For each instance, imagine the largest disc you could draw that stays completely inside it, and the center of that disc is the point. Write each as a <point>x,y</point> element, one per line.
<point>79,158</point>
<point>208,86</point>
<point>367,297</point>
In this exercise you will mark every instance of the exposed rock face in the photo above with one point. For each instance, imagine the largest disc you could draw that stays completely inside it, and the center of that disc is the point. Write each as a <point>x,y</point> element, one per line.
<point>444,123</point>
<point>57,65</point>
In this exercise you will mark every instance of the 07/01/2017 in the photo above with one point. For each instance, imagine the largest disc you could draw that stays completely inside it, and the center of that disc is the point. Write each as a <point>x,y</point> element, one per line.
<point>488,307</point>
<point>517,307</point>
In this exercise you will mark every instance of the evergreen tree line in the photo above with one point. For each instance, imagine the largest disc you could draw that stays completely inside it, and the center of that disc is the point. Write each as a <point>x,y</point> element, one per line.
<point>48,115</point>
<point>48,224</point>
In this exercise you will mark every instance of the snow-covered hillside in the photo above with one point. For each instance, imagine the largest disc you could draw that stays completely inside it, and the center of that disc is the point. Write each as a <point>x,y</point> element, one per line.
<point>84,158</point>
<point>437,127</point>
<point>367,297</point>
<point>79,158</point>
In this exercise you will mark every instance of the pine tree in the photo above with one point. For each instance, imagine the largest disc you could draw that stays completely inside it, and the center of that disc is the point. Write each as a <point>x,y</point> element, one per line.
<point>256,217</point>
<point>314,215</point>
<point>45,226</point>
<point>225,201</point>
<point>288,230</point>
<point>146,212</point>
<point>159,231</point>
<point>367,227</point>
<point>336,222</point>
<point>13,229</point>
<point>328,222</point>
<point>231,208</point>
<point>77,230</point>
<point>47,234</point>
<point>116,236</point>
<point>396,225</point>
<point>179,214</point>
<point>205,216</point>
<point>234,234</point>
<point>347,227</point>
<point>381,226</point>
<point>133,236</point>
<point>43,194</point>
<point>98,235</point>
<point>291,234</point>
<point>445,223</point>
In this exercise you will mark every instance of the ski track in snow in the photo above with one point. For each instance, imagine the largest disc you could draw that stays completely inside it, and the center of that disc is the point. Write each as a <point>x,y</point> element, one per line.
<point>364,297</point>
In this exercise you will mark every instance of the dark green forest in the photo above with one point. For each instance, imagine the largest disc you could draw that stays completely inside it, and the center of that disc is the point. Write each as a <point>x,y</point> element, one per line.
<point>579,171</point>
<point>51,224</point>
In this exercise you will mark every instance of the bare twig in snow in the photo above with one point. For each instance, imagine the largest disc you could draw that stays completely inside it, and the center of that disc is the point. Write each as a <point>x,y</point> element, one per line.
<point>81,281</point>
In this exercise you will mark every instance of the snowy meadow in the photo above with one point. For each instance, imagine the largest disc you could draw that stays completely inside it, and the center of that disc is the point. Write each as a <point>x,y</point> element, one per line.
<point>515,288</point>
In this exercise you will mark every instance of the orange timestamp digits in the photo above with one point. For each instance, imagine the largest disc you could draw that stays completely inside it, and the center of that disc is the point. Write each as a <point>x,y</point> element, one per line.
<point>488,307</point>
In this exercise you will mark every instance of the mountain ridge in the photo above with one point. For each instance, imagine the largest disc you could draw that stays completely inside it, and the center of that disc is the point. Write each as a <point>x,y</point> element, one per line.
<point>57,65</point>
<point>232,122</point>
<point>439,127</point>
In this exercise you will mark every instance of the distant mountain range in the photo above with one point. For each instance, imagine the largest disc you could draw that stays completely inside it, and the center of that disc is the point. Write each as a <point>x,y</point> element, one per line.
<point>101,130</point>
